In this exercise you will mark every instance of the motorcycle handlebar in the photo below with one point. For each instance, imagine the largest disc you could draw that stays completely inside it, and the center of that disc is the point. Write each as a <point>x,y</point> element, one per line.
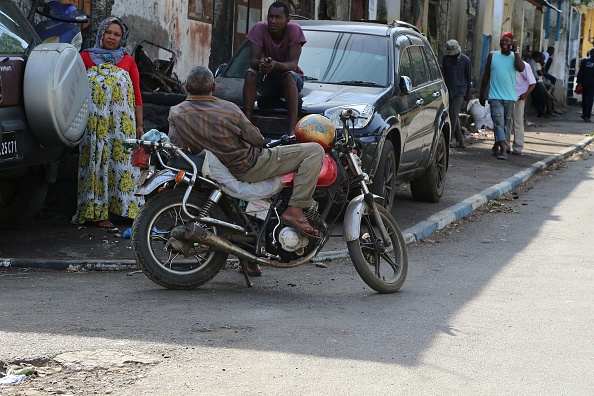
<point>150,143</point>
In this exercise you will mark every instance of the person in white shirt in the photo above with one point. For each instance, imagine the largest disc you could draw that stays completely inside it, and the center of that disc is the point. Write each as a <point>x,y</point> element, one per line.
<point>525,83</point>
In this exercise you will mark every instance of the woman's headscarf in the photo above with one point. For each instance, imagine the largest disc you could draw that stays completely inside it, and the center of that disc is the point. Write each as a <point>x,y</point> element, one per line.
<point>101,55</point>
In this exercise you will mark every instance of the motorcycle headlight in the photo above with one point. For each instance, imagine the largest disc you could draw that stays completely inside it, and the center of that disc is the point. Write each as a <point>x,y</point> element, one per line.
<point>363,112</point>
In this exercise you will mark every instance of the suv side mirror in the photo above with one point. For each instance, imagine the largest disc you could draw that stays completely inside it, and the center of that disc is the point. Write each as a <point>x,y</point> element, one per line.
<point>405,85</point>
<point>220,70</point>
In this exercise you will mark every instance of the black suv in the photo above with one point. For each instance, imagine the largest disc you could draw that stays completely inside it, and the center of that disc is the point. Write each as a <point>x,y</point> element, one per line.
<point>390,76</point>
<point>44,97</point>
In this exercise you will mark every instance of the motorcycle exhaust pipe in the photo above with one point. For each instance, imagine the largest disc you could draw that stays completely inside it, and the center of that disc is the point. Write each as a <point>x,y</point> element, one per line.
<point>195,233</point>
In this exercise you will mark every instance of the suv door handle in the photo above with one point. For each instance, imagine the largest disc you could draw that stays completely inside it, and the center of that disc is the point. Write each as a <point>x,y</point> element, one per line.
<point>436,94</point>
<point>419,102</point>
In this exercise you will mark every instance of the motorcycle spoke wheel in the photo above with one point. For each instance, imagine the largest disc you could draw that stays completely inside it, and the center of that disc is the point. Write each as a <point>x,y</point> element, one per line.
<point>169,262</point>
<point>382,268</point>
<point>173,260</point>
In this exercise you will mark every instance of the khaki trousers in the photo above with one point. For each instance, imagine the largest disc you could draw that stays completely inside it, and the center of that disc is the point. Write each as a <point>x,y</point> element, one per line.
<point>305,159</point>
<point>517,126</point>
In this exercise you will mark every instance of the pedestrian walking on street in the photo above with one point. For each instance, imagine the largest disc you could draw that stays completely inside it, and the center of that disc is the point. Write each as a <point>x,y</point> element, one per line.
<point>457,74</point>
<point>585,79</point>
<point>525,83</point>
<point>500,78</point>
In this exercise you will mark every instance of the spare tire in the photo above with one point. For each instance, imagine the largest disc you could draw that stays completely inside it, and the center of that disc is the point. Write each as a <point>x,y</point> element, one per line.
<point>56,95</point>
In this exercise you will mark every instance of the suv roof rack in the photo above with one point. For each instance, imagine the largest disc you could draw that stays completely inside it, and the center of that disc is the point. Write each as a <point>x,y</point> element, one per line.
<point>397,23</point>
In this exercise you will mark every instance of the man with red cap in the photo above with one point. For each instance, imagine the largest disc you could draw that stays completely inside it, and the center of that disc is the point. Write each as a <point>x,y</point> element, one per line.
<point>500,77</point>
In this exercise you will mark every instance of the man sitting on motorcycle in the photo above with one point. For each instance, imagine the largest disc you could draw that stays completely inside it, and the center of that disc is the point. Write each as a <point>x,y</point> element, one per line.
<point>203,121</point>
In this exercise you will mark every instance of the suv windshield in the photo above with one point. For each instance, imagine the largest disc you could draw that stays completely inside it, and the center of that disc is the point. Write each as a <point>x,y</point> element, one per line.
<point>334,58</point>
<point>16,34</point>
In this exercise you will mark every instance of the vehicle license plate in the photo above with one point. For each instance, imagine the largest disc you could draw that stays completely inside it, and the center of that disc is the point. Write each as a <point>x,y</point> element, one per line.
<point>8,148</point>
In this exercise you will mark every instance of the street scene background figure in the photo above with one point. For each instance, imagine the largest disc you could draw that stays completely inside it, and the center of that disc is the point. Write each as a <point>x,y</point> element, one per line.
<point>105,173</point>
<point>525,83</point>
<point>547,62</point>
<point>500,78</point>
<point>274,71</point>
<point>457,74</point>
<point>585,80</point>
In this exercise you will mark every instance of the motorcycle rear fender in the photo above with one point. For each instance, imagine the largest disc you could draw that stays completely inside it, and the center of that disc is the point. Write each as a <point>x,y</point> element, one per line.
<point>353,215</point>
<point>155,181</point>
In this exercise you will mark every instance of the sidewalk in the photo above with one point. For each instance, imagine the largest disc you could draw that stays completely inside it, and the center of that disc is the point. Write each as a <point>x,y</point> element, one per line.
<point>474,177</point>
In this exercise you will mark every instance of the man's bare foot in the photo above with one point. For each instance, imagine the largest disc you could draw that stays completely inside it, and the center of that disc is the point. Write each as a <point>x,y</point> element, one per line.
<point>103,224</point>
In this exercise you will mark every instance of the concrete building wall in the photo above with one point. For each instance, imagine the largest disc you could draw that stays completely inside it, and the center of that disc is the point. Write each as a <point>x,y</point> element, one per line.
<point>166,22</point>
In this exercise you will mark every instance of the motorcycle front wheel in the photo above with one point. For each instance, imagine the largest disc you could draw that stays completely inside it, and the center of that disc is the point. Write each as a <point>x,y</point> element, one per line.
<point>384,269</point>
<point>160,257</point>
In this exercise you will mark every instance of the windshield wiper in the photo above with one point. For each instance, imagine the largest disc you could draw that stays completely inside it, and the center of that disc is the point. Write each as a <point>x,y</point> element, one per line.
<point>359,83</point>
<point>308,78</point>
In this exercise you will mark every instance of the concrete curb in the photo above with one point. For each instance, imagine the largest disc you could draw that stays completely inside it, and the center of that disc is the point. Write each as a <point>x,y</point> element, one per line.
<point>413,234</point>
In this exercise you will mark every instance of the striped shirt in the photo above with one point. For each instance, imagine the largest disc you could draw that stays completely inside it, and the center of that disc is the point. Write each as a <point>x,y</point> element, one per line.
<point>207,122</point>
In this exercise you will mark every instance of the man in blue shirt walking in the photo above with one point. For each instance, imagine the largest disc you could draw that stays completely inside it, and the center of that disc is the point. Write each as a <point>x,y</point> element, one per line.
<point>500,77</point>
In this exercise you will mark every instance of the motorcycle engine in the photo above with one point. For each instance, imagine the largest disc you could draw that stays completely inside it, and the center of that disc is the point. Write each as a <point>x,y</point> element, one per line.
<point>287,243</point>
<point>292,241</point>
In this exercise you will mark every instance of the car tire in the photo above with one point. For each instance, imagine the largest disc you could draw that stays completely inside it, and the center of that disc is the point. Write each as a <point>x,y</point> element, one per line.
<point>431,185</point>
<point>384,180</point>
<point>21,199</point>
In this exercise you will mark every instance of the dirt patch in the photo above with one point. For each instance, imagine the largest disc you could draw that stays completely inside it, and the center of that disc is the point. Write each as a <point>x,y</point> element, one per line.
<point>50,377</point>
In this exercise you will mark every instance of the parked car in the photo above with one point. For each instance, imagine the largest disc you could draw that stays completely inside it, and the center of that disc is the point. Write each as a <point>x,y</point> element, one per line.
<point>44,99</point>
<point>390,76</point>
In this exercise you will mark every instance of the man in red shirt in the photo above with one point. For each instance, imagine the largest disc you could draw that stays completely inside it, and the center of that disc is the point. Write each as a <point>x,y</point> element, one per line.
<point>275,51</point>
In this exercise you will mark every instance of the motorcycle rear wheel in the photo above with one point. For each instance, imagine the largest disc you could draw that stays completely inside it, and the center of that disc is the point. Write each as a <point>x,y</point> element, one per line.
<point>150,234</point>
<point>382,269</point>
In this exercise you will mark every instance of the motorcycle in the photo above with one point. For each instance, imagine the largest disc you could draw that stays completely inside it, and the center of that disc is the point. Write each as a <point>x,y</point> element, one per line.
<point>183,235</point>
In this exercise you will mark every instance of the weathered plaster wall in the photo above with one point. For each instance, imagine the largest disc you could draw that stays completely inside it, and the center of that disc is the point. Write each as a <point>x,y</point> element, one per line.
<point>393,10</point>
<point>165,22</point>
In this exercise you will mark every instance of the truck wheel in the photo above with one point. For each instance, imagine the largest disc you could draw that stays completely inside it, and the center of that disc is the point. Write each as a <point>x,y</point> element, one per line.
<point>21,199</point>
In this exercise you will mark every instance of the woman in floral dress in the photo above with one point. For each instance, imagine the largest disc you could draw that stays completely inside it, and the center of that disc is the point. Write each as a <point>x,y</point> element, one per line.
<point>105,174</point>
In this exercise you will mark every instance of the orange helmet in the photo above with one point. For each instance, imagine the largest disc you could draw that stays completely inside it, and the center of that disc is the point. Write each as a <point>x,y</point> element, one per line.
<point>316,128</point>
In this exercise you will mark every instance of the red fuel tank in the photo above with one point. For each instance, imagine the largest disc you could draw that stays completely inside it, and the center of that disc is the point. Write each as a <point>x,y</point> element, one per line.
<point>328,174</point>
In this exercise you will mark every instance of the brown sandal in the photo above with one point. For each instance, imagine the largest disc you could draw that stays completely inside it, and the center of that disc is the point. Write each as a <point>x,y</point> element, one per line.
<point>251,268</point>
<point>302,225</point>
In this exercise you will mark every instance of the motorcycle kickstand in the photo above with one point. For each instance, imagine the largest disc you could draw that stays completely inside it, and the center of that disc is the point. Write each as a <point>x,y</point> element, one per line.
<point>247,279</point>
<point>245,274</point>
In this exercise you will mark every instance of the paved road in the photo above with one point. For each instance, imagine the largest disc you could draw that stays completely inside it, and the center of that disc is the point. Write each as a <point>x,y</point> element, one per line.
<point>500,305</point>
<point>53,241</point>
